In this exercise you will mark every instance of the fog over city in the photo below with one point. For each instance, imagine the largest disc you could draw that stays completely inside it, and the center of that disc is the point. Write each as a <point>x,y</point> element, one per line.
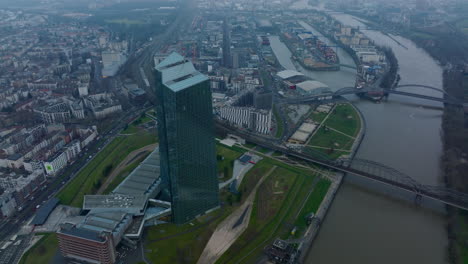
<point>233,131</point>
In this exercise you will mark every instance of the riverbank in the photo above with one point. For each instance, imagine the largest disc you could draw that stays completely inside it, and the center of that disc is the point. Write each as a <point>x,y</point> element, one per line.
<point>454,132</point>
<point>337,180</point>
<point>432,51</point>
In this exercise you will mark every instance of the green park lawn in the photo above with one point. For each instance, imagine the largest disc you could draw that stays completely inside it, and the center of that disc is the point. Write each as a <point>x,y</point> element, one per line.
<point>330,139</point>
<point>344,119</point>
<point>43,251</point>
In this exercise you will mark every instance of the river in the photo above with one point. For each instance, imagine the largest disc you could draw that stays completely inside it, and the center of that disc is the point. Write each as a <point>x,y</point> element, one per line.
<point>364,226</point>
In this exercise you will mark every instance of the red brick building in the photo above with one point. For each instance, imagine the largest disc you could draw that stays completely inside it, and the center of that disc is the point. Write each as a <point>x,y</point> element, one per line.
<point>86,245</point>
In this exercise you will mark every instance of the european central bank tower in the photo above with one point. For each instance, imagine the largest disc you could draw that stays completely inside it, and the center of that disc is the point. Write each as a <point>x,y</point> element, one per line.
<point>186,138</point>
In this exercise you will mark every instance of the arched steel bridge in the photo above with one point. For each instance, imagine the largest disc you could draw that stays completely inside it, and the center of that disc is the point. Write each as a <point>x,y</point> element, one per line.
<point>447,98</point>
<point>365,168</point>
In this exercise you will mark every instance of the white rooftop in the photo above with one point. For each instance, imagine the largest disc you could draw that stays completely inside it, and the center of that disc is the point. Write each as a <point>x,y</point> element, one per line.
<point>311,85</point>
<point>300,136</point>
<point>307,127</point>
<point>286,74</point>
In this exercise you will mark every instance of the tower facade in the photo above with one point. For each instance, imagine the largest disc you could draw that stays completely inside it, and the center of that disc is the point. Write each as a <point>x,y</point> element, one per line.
<point>186,136</point>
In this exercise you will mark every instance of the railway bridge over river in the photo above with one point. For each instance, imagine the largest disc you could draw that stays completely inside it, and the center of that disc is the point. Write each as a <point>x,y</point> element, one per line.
<point>375,171</point>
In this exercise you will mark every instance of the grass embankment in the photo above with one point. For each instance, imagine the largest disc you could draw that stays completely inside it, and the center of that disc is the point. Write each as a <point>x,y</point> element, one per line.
<point>312,204</point>
<point>90,178</point>
<point>134,126</point>
<point>337,134</point>
<point>225,161</point>
<point>276,206</point>
<point>43,251</point>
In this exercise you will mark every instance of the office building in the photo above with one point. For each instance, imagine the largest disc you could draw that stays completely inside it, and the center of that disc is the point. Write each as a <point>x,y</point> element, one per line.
<point>186,134</point>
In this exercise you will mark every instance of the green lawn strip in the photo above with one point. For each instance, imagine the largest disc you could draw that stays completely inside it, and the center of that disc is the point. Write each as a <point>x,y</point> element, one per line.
<point>344,119</point>
<point>67,194</point>
<point>251,243</point>
<point>225,159</point>
<point>43,251</point>
<point>317,117</point>
<point>89,179</point>
<point>328,139</point>
<point>279,124</point>
<point>312,204</point>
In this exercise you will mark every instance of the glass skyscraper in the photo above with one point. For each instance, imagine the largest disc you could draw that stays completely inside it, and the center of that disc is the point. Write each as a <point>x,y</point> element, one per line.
<point>186,138</point>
